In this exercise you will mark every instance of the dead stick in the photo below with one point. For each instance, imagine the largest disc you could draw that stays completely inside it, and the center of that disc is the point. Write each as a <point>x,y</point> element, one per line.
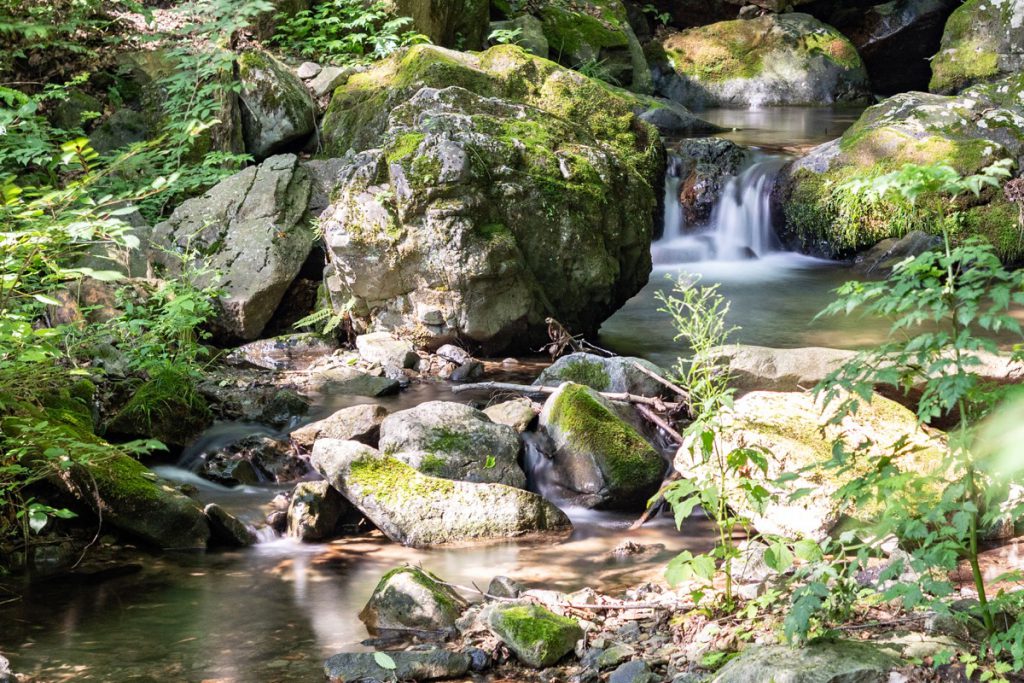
<point>658,378</point>
<point>656,419</point>
<point>534,389</point>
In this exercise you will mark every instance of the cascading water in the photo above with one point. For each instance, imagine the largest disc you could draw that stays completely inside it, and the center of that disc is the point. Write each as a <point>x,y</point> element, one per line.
<point>740,225</point>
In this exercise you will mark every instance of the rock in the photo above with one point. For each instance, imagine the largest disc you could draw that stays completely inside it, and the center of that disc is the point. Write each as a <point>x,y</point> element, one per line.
<point>268,458</point>
<point>287,352</point>
<point>519,413</point>
<point>454,441</point>
<point>617,374</point>
<point>451,23</point>
<point>6,674</point>
<point>759,368</point>
<point>504,587</point>
<point>531,33</point>
<point>840,661</point>
<point>750,565</point>
<point>352,382</point>
<point>615,654</point>
<point>250,229</point>
<point>227,529</point>
<point>357,423</point>
<point>538,637</point>
<point>787,428</point>
<point>315,511</point>
<point>131,263</point>
<point>308,70</point>
<point>452,229</point>
<point>705,166</point>
<point>166,407</point>
<point>411,599</point>
<point>417,510</point>
<point>784,59</point>
<point>410,665</point>
<point>671,118</point>
<point>382,349</point>
<point>600,457</point>
<point>277,110</point>
<point>635,671</point>
<point>329,78</point>
<point>284,407</point>
<point>968,132</point>
<point>983,42</point>
<point>879,260</point>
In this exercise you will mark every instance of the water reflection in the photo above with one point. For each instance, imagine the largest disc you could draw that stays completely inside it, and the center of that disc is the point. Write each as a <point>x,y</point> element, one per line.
<point>782,128</point>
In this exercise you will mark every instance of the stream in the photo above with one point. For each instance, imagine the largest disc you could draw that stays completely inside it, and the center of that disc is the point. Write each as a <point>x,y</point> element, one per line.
<point>274,612</point>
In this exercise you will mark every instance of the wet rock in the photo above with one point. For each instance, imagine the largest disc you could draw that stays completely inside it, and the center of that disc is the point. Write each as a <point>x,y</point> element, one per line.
<point>983,42</point>
<point>270,459</point>
<point>614,655</point>
<point>329,78</point>
<point>410,665</point>
<point>519,413</point>
<point>790,59</point>
<point>636,671</point>
<point>616,374</point>
<point>706,165</point>
<point>6,674</point>
<point>600,458</point>
<point>352,382</point>
<point>631,550</point>
<point>287,352</point>
<point>411,599</point>
<point>315,511</point>
<point>504,587</point>
<point>278,521</point>
<point>879,260</point>
<point>671,118</point>
<point>284,407</point>
<point>418,510</point>
<point>166,407</point>
<point>381,348</point>
<point>227,529</point>
<point>454,441</point>
<point>357,423</point>
<point>248,235</point>
<point>538,637</point>
<point>840,661</point>
<point>277,110</point>
<point>478,659</point>
<point>458,364</point>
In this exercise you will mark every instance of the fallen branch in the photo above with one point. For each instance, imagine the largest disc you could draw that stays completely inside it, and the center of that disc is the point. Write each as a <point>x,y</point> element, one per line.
<point>657,419</point>
<point>658,378</point>
<point>535,389</point>
<point>566,605</point>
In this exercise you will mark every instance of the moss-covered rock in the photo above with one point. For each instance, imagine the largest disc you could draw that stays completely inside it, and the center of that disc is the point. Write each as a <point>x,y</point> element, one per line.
<point>277,109</point>
<point>537,636</point>
<point>166,407</point>
<point>968,132</point>
<point>616,374</point>
<point>791,430</point>
<point>411,599</point>
<point>419,510</point>
<point>788,59</point>
<point>601,459</point>
<point>983,42</point>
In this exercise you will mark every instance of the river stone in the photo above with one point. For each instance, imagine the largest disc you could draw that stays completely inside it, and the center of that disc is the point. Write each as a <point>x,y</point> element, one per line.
<point>504,587</point>
<point>308,70</point>
<point>705,167</point>
<point>283,408</point>
<point>760,368</point>
<point>266,457</point>
<point>538,637</point>
<point>452,229</point>
<point>420,511</point>
<point>983,42</point>
<point>454,441</point>
<point>879,261</point>
<point>411,599</point>
<point>790,429</point>
<point>617,374</point>
<point>600,458</point>
<point>356,423</point>
<point>352,382</point>
<point>314,511</point>
<point>227,529</point>
<point>635,671</point>
<point>519,413</point>
<point>247,235</point>
<point>277,110</point>
<point>329,78</point>
<point>840,661</point>
<point>782,59</point>
<point>410,665</point>
<point>287,352</point>
<point>383,349</point>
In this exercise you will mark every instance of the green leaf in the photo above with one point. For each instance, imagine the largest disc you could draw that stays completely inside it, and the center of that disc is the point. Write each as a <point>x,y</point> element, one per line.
<point>384,661</point>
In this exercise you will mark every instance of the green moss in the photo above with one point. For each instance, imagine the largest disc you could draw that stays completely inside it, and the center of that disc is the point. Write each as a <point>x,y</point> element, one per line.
<point>586,372</point>
<point>405,146</point>
<point>575,33</point>
<point>449,601</point>
<point>539,637</point>
<point>630,464</point>
<point>968,54</point>
<point>445,440</point>
<point>433,465</point>
<point>391,480</point>
<point>166,406</point>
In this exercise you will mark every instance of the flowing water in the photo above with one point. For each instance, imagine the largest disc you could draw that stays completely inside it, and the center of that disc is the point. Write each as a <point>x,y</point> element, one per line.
<point>275,611</point>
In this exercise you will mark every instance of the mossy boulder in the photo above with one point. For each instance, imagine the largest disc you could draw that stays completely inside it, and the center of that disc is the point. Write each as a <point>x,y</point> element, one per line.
<point>840,661</point>
<point>517,192</point>
<point>538,637</point>
<point>968,131</point>
<point>788,59</point>
<point>454,441</point>
<point>983,42</point>
<point>411,599</point>
<point>791,430</point>
<point>601,460</point>
<point>166,406</point>
<point>421,511</point>
<point>277,110</point>
<point>616,374</point>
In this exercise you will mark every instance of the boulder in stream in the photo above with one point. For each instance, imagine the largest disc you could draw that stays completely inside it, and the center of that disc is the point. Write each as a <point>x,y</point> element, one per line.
<point>517,413</point>
<point>227,529</point>
<point>842,661</point>
<point>419,510</point>
<point>434,664</point>
<point>409,599</point>
<point>538,637</point>
<point>356,423</point>
<point>454,441</point>
<point>617,374</point>
<point>253,459</point>
<point>315,511</point>
<point>386,350</point>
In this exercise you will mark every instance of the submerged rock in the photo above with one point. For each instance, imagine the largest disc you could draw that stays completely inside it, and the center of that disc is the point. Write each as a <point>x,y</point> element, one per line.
<point>277,110</point>
<point>418,510</point>
<point>600,458</point>
<point>617,374</point>
<point>791,59</point>
<point>842,661</point>
<point>356,423</point>
<point>983,42</point>
<point>410,665</point>
<point>411,599</point>
<point>454,441</point>
<point>538,637</point>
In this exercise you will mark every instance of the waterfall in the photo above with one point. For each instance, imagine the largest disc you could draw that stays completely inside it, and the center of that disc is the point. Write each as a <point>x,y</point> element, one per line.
<point>740,226</point>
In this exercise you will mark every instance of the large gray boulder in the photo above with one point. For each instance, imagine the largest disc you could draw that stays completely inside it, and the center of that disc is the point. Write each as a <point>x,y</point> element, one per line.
<point>601,460</point>
<point>454,441</point>
<point>411,599</point>
<point>983,42</point>
<point>420,511</point>
<point>248,236</point>
<point>410,665</point>
<point>277,109</point>
<point>786,59</point>
<point>617,374</point>
<point>841,661</point>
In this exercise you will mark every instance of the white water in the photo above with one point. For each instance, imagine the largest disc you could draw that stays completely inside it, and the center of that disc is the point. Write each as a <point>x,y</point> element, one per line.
<point>741,223</point>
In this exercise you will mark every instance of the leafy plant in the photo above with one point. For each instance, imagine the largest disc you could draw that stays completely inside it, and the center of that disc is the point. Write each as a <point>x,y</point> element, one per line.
<point>505,36</point>
<point>597,68</point>
<point>662,18</point>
